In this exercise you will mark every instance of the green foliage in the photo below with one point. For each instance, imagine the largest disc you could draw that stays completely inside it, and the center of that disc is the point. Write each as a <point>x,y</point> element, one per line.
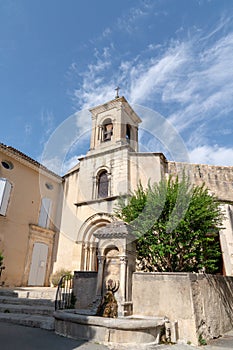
<point>176,225</point>
<point>137,203</point>
<point>201,340</point>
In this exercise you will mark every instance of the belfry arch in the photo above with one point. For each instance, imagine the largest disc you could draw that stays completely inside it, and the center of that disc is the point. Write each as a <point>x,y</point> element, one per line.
<point>89,242</point>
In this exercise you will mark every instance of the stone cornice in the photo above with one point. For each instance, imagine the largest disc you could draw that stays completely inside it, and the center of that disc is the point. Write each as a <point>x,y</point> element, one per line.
<point>98,200</point>
<point>96,153</point>
<point>115,229</point>
<point>106,106</point>
<point>113,235</point>
<point>42,232</point>
<point>116,103</point>
<point>149,154</point>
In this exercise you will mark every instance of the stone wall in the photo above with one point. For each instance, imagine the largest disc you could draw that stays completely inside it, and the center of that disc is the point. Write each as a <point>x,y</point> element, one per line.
<point>218,179</point>
<point>85,283</point>
<point>202,304</point>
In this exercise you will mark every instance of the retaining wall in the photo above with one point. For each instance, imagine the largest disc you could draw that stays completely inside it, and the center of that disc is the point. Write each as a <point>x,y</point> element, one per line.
<point>202,304</point>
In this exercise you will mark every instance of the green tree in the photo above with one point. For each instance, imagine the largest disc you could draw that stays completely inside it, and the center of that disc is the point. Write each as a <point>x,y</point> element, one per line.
<point>176,225</point>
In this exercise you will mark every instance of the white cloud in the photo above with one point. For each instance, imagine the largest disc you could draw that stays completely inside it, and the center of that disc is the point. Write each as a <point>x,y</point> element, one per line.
<point>53,164</point>
<point>107,31</point>
<point>192,78</point>
<point>69,164</point>
<point>212,155</point>
<point>93,88</point>
<point>207,90</point>
<point>200,83</point>
<point>128,21</point>
<point>156,74</point>
<point>69,139</point>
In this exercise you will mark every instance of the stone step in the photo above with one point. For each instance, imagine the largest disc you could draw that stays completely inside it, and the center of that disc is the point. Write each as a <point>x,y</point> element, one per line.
<point>8,293</point>
<point>26,301</point>
<point>27,309</point>
<point>28,320</point>
<point>33,307</point>
<point>30,293</point>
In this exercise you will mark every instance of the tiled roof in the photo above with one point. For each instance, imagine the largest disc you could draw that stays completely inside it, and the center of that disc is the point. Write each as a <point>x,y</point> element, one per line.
<point>23,156</point>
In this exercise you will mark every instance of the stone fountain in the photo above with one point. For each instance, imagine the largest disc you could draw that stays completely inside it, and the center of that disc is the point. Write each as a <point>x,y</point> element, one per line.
<point>104,308</point>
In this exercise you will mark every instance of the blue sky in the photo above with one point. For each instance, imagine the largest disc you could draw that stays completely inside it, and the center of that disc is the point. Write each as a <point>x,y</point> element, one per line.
<point>174,57</point>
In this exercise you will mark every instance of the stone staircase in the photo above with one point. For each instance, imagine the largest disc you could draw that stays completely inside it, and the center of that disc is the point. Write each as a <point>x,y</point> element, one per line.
<point>33,307</point>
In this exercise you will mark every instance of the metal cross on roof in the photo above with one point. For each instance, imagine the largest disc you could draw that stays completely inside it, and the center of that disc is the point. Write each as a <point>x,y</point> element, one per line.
<point>117,91</point>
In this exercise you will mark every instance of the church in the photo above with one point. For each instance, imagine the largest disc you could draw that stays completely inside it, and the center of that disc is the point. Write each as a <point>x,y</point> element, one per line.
<point>63,213</point>
<point>114,167</point>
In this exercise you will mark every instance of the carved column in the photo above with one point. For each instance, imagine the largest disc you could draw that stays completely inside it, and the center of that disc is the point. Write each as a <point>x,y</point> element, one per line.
<point>92,264</point>
<point>101,260</point>
<point>86,256</point>
<point>123,275</point>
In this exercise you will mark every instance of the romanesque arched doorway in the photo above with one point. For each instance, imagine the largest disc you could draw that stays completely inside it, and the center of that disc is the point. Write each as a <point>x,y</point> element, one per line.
<point>90,242</point>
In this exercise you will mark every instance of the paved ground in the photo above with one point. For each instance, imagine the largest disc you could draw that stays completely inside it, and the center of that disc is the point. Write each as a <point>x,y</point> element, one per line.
<point>15,337</point>
<point>223,343</point>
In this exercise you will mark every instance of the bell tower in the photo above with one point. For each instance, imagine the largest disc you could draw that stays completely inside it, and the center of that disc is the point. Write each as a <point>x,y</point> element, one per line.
<point>114,124</point>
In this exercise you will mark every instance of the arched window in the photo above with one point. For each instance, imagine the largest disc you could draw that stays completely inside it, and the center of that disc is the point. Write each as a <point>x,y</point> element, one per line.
<point>107,130</point>
<point>103,184</point>
<point>128,132</point>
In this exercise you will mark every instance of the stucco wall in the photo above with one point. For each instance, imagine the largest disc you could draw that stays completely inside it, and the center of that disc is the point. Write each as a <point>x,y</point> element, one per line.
<point>146,167</point>
<point>202,304</point>
<point>28,186</point>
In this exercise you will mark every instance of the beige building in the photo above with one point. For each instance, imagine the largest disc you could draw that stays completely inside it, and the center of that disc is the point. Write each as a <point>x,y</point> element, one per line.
<point>30,200</point>
<point>47,224</point>
<point>112,167</point>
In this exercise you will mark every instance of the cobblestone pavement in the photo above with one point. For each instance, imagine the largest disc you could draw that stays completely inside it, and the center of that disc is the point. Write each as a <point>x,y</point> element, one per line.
<point>13,337</point>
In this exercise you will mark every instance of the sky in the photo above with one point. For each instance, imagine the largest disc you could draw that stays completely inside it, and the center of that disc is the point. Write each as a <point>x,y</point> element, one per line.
<point>172,59</point>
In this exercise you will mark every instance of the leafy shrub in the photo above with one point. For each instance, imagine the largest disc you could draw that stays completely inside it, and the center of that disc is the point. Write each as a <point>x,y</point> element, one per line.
<point>176,225</point>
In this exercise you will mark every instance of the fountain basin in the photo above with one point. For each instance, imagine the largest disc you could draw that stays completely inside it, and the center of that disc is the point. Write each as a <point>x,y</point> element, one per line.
<point>125,330</point>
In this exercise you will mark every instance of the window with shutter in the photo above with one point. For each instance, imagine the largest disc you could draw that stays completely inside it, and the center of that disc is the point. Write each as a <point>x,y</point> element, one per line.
<point>44,212</point>
<point>5,191</point>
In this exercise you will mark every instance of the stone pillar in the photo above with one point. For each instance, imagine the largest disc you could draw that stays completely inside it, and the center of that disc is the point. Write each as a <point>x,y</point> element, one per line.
<point>101,260</point>
<point>123,273</point>
<point>85,250</point>
<point>92,265</point>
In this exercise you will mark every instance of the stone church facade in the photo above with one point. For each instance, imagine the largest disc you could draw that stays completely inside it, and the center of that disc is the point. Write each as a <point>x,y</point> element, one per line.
<point>113,167</point>
<point>48,223</point>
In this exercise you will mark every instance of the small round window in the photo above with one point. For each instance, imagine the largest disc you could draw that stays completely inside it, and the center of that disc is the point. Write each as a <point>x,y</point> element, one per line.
<point>49,186</point>
<point>7,165</point>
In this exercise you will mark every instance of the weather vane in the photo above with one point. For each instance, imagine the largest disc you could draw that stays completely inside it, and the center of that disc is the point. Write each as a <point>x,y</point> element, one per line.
<point>117,92</point>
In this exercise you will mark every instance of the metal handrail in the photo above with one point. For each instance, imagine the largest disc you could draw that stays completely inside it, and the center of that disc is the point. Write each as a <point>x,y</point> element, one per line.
<point>1,268</point>
<point>64,296</point>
